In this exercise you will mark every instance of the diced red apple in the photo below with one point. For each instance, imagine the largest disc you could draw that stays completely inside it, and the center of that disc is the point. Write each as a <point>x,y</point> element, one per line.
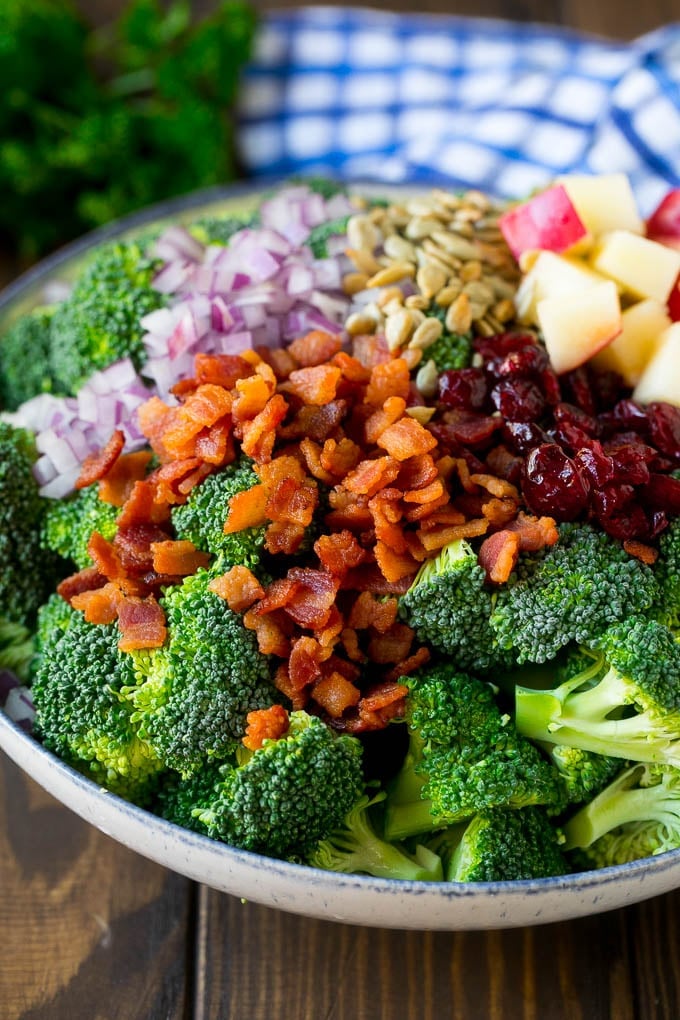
<point>674,302</point>
<point>644,268</point>
<point>551,276</point>
<point>661,377</point>
<point>547,221</point>
<point>628,354</point>
<point>603,202</point>
<point>663,225</point>
<point>576,326</point>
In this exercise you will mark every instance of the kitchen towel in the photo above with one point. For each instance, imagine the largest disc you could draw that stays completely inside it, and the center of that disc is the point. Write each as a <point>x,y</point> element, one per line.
<point>502,106</point>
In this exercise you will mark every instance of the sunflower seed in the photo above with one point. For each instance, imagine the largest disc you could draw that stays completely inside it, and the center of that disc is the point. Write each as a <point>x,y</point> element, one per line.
<point>352,283</point>
<point>459,315</point>
<point>398,329</point>
<point>427,333</point>
<point>421,414</point>
<point>427,379</point>
<point>362,233</point>
<point>391,274</point>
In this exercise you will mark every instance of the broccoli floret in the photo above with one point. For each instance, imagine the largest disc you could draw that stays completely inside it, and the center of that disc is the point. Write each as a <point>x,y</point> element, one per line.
<point>16,648</point>
<point>201,519</point>
<point>463,757</point>
<point>625,704</point>
<point>219,229</point>
<point>190,698</point>
<point>570,592</point>
<point>53,618</point>
<point>451,351</point>
<point>449,607</point>
<point>181,800</point>
<point>27,573</point>
<point>503,845</point>
<point>667,574</point>
<point>24,360</point>
<point>638,815</point>
<point>69,524</point>
<point>356,848</point>
<point>582,773</point>
<point>81,713</point>
<point>319,236</point>
<point>292,792</point>
<point>99,323</point>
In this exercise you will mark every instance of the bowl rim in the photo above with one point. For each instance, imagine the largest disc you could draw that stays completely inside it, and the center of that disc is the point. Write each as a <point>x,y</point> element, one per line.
<point>13,738</point>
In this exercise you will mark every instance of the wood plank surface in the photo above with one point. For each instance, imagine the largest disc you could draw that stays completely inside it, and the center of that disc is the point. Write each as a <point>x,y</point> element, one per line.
<point>91,931</point>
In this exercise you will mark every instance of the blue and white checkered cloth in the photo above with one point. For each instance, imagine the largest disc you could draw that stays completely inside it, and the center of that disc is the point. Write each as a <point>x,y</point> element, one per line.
<point>491,104</point>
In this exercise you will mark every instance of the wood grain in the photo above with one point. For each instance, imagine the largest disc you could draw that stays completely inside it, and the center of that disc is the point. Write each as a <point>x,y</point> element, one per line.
<point>86,924</point>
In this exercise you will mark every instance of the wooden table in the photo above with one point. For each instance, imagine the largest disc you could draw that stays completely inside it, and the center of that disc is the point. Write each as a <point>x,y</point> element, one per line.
<point>91,931</point>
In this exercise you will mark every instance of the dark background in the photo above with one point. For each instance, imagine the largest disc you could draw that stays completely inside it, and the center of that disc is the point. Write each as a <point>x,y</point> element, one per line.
<point>91,931</point>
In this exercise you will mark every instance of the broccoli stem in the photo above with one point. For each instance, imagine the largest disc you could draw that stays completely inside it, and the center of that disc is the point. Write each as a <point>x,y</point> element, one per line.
<point>406,819</point>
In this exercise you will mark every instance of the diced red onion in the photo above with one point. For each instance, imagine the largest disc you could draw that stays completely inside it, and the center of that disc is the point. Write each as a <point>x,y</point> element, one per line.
<point>20,708</point>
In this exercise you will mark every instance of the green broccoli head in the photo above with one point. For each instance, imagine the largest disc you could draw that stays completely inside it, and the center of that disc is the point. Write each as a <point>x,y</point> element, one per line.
<point>582,773</point>
<point>356,848</point>
<point>27,573</point>
<point>451,351</point>
<point>449,607</point>
<point>624,704</point>
<point>637,815</point>
<point>464,757</point>
<point>24,360</point>
<point>191,697</point>
<point>571,591</point>
<point>319,236</point>
<point>201,519</point>
<point>181,799</point>
<point>667,574</point>
<point>503,845</point>
<point>16,648</point>
<point>99,323</point>
<point>69,524</point>
<point>81,713</point>
<point>292,792</point>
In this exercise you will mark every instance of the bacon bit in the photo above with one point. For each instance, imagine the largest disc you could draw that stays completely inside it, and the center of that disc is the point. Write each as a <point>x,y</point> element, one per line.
<point>535,532</point>
<point>438,537</point>
<point>463,471</point>
<point>498,487</point>
<point>216,444</point>
<point>259,435</point>
<point>247,509</point>
<point>370,349</point>
<point>238,587</point>
<point>329,634</point>
<point>351,368</point>
<point>272,636</point>
<point>314,422</point>
<point>105,558</point>
<point>499,512</point>
<point>154,417</point>
<point>174,480</point>
<point>141,623</point>
<point>97,465</point>
<point>394,566</point>
<point>335,694</point>
<point>116,486</point>
<point>221,369</point>
<point>316,385</point>
<point>293,503</point>
<point>417,472</point>
<point>311,451</point>
<point>388,379</point>
<point>298,699</point>
<point>99,605</point>
<point>428,494</point>
<point>283,539</point>
<point>391,411</point>
<point>133,546</point>
<point>143,504</point>
<point>340,457</point>
<point>641,551</point>
<point>419,658</point>
<point>443,515</point>
<point>304,664</point>
<point>350,642</point>
<point>371,475</point>
<point>280,469</point>
<point>382,695</point>
<point>498,555</point>
<point>392,645</point>
<point>251,399</point>
<point>339,552</point>
<point>423,511</point>
<point>277,595</point>
<point>311,603</point>
<point>178,556</point>
<point>406,438</point>
<point>88,579</point>
<point>368,577</point>
<point>368,611</point>
<point>386,516</point>
<point>316,348</point>
<point>354,518</point>
<point>265,724</point>
<point>279,359</point>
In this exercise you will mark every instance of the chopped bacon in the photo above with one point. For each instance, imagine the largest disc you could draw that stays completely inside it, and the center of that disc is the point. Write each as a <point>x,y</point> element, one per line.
<point>406,438</point>
<point>271,632</point>
<point>317,384</point>
<point>367,611</point>
<point>283,539</point>
<point>382,695</point>
<point>105,557</point>
<point>259,435</point>
<point>265,724</point>
<point>388,379</point>
<point>252,396</point>
<point>339,552</point>
<point>534,532</point>
<point>88,579</point>
<point>394,565</point>
<point>141,623</point>
<point>178,556</point>
<point>221,369</point>
<point>316,348</point>
<point>310,605</point>
<point>247,509</point>
<point>98,464</point>
<point>409,665</point>
<point>391,411</point>
<point>304,664</point>
<point>143,505</point>
<point>99,605</point>
<point>116,486</point>
<point>393,645</point>
<point>133,546</point>
<point>641,551</point>
<point>498,555</point>
<point>371,475</point>
<point>335,694</point>
<point>238,587</point>
<point>340,456</point>
<point>291,502</point>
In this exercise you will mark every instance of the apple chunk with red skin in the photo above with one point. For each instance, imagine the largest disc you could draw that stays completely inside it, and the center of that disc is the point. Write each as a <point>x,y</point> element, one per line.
<point>663,225</point>
<point>548,222</point>
<point>576,326</point>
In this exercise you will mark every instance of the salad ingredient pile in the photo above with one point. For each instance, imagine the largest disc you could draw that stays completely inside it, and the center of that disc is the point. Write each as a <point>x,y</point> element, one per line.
<point>358,529</point>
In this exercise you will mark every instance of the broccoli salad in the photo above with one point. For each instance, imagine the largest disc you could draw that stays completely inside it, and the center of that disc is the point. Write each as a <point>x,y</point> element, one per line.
<point>348,532</point>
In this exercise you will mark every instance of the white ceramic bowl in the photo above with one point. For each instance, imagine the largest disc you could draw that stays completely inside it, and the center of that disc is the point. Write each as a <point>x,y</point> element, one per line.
<point>355,899</point>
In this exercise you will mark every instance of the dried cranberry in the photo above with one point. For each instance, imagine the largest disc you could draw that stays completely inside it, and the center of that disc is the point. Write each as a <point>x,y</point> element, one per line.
<point>608,388</point>
<point>523,436</point>
<point>664,428</point>
<point>518,400</point>
<point>662,492</point>
<point>574,415</point>
<point>570,436</point>
<point>626,415</point>
<point>629,522</point>
<point>577,385</point>
<point>554,484</point>
<point>469,429</point>
<point>595,461</point>
<point>528,360</point>
<point>630,463</point>
<point>611,499</point>
<point>497,347</point>
<point>464,388</point>
<point>550,385</point>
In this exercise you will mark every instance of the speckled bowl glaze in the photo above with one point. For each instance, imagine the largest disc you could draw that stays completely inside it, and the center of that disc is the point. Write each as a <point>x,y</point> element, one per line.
<point>354,899</point>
